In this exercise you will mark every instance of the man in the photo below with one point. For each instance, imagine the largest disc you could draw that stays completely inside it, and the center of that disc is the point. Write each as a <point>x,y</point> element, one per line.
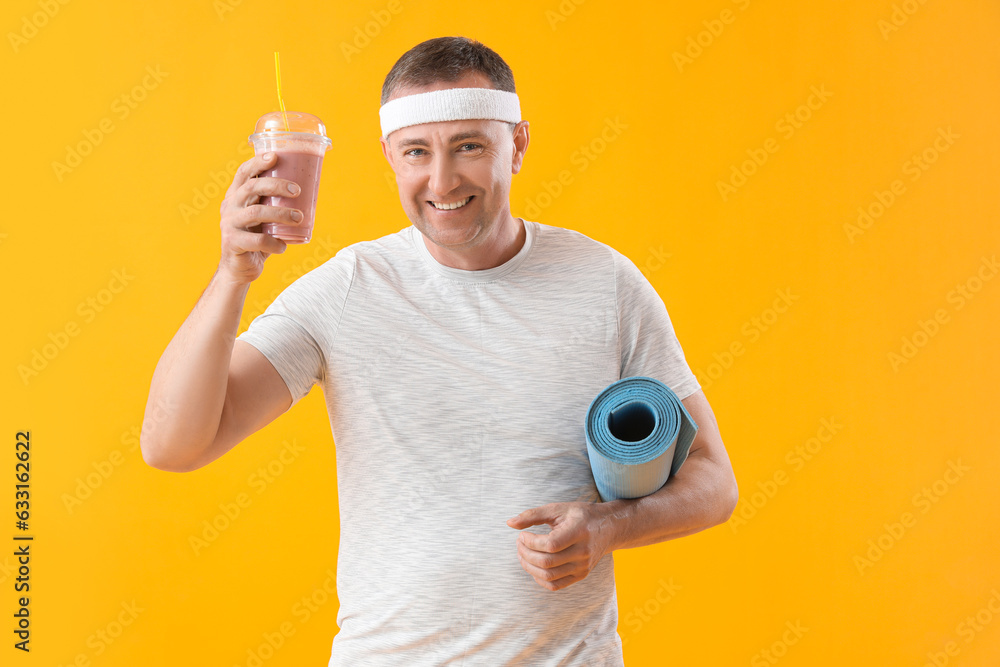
<point>457,357</point>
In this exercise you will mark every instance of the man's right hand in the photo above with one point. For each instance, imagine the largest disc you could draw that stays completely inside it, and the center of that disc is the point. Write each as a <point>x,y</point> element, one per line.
<point>208,391</point>
<point>244,244</point>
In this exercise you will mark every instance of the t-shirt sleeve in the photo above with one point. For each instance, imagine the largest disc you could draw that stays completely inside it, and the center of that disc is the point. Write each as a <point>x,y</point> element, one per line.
<point>299,326</point>
<point>649,346</point>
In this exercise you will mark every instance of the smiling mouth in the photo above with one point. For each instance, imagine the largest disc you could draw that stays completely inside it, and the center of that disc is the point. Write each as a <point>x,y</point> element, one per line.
<point>441,206</point>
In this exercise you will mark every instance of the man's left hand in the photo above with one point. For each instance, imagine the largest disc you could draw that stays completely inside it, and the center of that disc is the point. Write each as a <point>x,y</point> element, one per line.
<point>582,534</point>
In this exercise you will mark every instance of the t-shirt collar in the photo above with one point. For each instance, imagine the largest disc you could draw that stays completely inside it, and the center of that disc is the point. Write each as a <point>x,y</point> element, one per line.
<point>481,276</point>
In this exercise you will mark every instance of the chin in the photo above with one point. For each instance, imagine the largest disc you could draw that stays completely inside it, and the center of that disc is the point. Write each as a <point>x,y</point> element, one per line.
<point>451,237</point>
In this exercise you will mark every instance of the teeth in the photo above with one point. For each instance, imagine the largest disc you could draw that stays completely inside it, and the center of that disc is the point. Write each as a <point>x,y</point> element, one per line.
<point>448,207</point>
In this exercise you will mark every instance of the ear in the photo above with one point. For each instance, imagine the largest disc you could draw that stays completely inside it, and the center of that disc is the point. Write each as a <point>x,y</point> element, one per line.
<point>386,151</point>
<point>520,146</point>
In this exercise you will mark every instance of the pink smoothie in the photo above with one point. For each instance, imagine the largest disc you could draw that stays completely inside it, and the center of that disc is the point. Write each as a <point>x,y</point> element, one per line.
<point>304,169</point>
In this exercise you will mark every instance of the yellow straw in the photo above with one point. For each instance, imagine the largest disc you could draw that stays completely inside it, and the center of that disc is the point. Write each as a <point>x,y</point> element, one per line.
<point>277,76</point>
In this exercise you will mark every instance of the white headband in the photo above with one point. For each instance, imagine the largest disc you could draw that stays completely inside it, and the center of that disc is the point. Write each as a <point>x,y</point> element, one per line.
<point>449,104</point>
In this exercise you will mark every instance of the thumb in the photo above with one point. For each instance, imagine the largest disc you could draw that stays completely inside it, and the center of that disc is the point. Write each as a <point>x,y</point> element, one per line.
<point>532,517</point>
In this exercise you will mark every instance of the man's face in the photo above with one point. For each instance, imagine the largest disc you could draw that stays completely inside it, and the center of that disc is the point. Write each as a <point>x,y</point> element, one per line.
<point>466,164</point>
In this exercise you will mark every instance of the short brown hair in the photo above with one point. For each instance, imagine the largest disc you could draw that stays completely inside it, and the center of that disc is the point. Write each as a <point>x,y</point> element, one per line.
<point>447,59</point>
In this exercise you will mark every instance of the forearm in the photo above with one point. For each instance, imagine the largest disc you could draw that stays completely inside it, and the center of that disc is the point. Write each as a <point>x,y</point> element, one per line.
<point>188,390</point>
<point>702,495</point>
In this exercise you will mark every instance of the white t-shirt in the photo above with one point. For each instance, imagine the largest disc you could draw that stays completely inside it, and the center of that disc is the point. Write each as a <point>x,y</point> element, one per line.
<point>457,401</point>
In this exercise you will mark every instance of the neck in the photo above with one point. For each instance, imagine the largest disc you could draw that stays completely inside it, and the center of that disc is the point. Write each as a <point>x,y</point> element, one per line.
<point>507,240</point>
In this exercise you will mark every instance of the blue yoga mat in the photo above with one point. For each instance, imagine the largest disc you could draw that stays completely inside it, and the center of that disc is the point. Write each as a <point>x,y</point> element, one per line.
<point>638,434</point>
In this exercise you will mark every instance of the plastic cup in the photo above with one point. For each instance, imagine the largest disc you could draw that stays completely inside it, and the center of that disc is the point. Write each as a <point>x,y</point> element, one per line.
<point>299,159</point>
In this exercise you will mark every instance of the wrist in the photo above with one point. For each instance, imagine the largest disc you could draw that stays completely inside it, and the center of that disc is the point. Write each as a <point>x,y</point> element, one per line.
<point>614,521</point>
<point>232,284</point>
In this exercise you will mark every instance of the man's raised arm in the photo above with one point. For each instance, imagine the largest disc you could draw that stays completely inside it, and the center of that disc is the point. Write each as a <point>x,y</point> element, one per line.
<point>209,391</point>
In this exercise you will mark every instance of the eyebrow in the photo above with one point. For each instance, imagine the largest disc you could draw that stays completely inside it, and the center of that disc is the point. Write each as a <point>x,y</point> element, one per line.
<point>461,136</point>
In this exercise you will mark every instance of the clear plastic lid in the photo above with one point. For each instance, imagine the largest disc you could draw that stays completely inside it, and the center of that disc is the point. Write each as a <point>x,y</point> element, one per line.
<point>297,122</point>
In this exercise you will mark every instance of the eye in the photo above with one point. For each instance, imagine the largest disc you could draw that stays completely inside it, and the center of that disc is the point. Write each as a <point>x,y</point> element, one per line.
<point>470,146</point>
<point>413,152</point>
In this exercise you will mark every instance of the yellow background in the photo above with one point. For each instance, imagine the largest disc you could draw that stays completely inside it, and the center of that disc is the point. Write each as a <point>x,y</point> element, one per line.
<point>823,549</point>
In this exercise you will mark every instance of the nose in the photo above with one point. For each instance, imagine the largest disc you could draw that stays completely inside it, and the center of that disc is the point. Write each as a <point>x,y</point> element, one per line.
<point>443,176</point>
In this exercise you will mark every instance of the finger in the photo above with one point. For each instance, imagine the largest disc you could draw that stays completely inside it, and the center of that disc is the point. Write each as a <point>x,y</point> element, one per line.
<point>246,241</point>
<point>249,170</point>
<point>549,577</point>
<point>559,584</point>
<point>546,584</point>
<point>547,559</point>
<point>266,186</point>
<point>245,172</point>
<point>562,536</point>
<point>533,517</point>
<point>255,214</point>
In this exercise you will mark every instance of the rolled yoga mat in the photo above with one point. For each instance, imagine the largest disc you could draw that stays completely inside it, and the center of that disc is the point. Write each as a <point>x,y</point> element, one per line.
<point>638,434</point>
